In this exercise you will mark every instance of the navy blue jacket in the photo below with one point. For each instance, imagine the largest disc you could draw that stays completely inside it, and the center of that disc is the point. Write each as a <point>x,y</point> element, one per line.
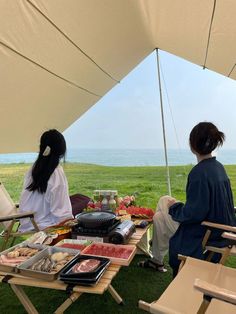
<point>208,197</point>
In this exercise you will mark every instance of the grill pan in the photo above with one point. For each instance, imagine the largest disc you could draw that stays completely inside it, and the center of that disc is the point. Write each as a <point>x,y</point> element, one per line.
<point>96,219</point>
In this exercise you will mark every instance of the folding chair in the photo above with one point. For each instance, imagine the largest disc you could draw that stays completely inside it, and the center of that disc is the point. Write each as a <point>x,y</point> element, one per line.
<point>181,297</point>
<point>220,307</point>
<point>224,251</point>
<point>215,299</point>
<point>9,217</point>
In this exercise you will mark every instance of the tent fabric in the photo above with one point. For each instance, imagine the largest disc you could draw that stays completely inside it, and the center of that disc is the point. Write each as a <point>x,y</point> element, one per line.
<point>59,57</point>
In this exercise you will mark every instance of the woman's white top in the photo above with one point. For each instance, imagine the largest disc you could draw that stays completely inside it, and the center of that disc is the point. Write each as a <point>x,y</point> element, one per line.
<point>49,208</point>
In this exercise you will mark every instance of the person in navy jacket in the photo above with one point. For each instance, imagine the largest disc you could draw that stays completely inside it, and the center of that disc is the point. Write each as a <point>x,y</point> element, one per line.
<point>208,197</point>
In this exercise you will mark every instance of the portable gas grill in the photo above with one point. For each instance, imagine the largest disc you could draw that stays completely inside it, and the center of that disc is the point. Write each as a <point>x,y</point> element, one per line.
<point>101,233</point>
<point>113,231</point>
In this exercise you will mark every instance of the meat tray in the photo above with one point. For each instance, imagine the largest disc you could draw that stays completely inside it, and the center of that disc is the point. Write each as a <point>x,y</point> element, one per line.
<point>24,267</point>
<point>73,244</point>
<point>118,254</point>
<point>85,278</point>
<point>84,281</point>
<point>67,271</point>
<point>13,268</point>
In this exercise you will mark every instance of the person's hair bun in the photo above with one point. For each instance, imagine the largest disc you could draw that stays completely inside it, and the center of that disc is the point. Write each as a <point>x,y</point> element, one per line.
<point>205,137</point>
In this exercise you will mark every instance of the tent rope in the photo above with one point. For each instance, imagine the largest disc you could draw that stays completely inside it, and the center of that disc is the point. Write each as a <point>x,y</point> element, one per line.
<point>170,108</point>
<point>71,41</point>
<point>172,119</point>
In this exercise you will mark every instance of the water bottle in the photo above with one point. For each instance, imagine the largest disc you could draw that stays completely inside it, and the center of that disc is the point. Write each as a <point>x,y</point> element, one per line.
<point>105,204</point>
<point>112,203</point>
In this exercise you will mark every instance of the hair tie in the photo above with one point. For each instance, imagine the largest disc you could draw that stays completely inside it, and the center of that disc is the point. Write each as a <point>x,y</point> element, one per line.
<point>47,151</point>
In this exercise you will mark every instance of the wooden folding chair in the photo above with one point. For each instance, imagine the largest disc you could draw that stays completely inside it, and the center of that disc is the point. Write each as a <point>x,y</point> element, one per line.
<point>215,299</point>
<point>224,251</point>
<point>220,307</point>
<point>10,219</point>
<point>181,297</point>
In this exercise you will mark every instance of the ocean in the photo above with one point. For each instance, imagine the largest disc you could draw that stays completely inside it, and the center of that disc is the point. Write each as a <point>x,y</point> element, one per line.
<point>125,157</point>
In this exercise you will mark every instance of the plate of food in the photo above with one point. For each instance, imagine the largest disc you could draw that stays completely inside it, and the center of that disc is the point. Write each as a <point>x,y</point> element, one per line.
<point>74,244</point>
<point>118,254</point>
<point>135,211</point>
<point>18,254</point>
<point>47,264</point>
<point>58,233</point>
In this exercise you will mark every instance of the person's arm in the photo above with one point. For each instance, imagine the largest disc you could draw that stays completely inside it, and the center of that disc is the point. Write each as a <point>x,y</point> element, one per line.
<point>24,193</point>
<point>197,204</point>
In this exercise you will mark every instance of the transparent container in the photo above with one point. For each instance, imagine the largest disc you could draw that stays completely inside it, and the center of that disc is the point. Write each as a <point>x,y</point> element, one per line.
<point>105,203</point>
<point>112,203</point>
<point>96,195</point>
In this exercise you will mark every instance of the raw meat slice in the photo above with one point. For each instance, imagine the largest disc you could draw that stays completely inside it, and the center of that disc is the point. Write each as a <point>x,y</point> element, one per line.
<point>13,260</point>
<point>102,250</point>
<point>73,246</point>
<point>86,266</point>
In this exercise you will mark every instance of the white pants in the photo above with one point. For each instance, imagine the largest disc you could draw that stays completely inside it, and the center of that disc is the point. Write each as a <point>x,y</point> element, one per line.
<point>163,229</point>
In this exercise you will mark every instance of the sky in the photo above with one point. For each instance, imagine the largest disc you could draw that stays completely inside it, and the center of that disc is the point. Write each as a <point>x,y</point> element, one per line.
<point>129,115</point>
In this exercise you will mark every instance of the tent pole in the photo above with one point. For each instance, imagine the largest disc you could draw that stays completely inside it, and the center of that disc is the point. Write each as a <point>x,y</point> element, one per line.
<point>163,125</point>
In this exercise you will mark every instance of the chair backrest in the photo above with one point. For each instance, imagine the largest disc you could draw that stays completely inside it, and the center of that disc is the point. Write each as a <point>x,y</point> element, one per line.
<point>78,203</point>
<point>7,206</point>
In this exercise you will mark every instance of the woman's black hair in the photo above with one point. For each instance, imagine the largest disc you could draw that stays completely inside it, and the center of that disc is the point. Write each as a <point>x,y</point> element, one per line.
<point>52,148</point>
<point>205,137</point>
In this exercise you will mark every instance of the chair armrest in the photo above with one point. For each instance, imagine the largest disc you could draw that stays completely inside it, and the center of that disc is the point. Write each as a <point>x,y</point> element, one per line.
<point>17,216</point>
<point>214,291</point>
<point>218,226</point>
<point>144,305</point>
<point>230,236</point>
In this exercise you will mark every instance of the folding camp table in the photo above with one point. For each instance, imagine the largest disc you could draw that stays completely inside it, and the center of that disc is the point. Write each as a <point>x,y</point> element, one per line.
<point>141,239</point>
<point>16,282</point>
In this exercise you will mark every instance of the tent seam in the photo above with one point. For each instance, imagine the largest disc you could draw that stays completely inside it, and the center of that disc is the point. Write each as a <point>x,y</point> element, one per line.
<point>49,71</point>
<point>231,70</point>
<point>71,41</point>
<point>209,33</point>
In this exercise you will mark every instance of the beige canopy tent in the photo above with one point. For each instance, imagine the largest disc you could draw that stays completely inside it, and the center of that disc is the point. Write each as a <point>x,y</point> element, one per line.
<point>59,57</point>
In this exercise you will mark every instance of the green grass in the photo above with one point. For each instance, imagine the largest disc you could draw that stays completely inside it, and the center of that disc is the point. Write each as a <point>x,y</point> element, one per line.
<point>132,283</point>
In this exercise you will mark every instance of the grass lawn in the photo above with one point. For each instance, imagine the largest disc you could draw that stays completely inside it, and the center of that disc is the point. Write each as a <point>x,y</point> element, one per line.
<point>132,283</point>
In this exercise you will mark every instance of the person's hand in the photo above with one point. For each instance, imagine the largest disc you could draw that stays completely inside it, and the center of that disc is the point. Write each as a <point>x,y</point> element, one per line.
<point>171,201</point>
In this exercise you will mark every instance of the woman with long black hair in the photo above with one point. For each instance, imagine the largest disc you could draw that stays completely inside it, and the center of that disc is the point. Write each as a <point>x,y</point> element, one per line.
<point>45,186</point>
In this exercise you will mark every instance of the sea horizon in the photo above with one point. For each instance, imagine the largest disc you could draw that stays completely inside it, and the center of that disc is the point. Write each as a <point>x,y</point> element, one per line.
<point>125,157</point>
